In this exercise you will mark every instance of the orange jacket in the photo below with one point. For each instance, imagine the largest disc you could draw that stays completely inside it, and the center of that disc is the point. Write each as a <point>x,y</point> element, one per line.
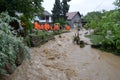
<point>36,25</point>
<point>50,27</point>
<point>67,27</point>
<point>56,27</point>
<point>42,26</point>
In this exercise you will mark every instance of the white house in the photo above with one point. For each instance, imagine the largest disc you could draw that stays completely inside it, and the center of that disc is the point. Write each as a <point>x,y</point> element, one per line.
<point>46,18</point>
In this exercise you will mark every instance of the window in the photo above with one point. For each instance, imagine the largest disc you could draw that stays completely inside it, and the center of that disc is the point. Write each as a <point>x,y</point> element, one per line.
<point>47,17</point>
<point>42,18</point>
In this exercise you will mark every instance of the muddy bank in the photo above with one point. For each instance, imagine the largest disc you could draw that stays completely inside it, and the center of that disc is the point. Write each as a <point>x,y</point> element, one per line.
<point>60,59</point>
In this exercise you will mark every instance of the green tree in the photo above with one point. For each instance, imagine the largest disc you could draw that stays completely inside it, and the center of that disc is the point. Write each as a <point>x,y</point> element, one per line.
<point>93,19</point>
<point>65,8</point>
<point>27,7</point>
<point>117,3</point>
<point>56,12</point>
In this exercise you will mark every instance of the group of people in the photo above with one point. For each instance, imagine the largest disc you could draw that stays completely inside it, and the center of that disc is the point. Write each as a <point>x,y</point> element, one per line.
<point>47,26</point>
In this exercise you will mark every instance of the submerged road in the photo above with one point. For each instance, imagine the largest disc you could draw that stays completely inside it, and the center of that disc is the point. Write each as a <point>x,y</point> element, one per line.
<point>60,59</point>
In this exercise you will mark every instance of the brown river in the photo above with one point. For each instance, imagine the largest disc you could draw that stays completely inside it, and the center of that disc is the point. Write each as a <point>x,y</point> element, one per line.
<point>61,59</point>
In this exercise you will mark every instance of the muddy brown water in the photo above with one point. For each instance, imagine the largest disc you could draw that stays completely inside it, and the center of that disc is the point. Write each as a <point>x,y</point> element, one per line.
<point>60,59</point>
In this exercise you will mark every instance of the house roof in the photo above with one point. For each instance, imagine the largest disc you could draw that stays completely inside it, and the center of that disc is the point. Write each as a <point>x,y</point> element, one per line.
<point>46,13</point>
<point>71,15</point>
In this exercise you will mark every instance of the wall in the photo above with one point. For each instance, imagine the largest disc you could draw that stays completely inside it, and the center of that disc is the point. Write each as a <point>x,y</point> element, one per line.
<point>73,21</point>
<point>43,20</point>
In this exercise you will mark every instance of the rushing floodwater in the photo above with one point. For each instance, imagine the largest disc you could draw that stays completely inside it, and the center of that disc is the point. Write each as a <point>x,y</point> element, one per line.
<point>60,59</point>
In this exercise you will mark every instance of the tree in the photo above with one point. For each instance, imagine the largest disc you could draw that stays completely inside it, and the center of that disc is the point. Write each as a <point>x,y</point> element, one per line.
<point>93,19</point>
<point>27,7</point>
<point>56,12</point>
<point>59,11</point>
<point>65,8</point>
<point>117,3</point>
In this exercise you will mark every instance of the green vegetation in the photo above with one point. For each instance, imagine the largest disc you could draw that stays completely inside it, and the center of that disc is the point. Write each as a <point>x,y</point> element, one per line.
<point>27,7</point>
<point>41,34</point>
<point>65,8</point>
<point>28,26</point>
<point>12,49</point>
<point>93,19</point>
<point>96,39</point>
<point>117,3</point>
<point>106,25</point>
<point>38,37</point>
<point>59,12</point>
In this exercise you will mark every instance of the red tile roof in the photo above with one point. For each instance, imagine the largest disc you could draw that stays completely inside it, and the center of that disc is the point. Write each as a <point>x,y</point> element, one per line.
<point>70,15</point>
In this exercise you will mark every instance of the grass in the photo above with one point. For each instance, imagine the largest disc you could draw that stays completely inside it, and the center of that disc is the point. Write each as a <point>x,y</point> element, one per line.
<point>95,39</point>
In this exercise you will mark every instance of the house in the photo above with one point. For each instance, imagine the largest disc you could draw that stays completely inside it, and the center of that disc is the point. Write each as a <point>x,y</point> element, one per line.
<point>74,19</point>
<point>46,18</point>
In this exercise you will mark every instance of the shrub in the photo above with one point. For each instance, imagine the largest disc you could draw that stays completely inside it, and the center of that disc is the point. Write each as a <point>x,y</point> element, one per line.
<point>12,49</point>
<point>106,27</point>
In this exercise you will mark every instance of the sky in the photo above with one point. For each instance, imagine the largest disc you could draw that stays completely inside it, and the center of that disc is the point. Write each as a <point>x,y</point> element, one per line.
<point>83,6</point>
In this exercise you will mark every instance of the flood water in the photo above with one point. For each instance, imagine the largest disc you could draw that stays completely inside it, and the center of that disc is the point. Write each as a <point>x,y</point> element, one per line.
<point>61,59</point>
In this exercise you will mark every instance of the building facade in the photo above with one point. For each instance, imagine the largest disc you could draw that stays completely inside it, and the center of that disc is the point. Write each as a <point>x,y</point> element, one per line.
<point>46,18</point>
<point>74,19</point>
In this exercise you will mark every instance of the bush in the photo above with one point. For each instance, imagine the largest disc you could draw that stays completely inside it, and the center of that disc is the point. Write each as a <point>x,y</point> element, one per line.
<point>12,49</point>
<point>27,25</point>
<point>106,25</point>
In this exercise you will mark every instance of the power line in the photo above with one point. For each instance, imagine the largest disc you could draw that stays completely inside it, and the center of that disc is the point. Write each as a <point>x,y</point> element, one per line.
<point>99,5</point>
